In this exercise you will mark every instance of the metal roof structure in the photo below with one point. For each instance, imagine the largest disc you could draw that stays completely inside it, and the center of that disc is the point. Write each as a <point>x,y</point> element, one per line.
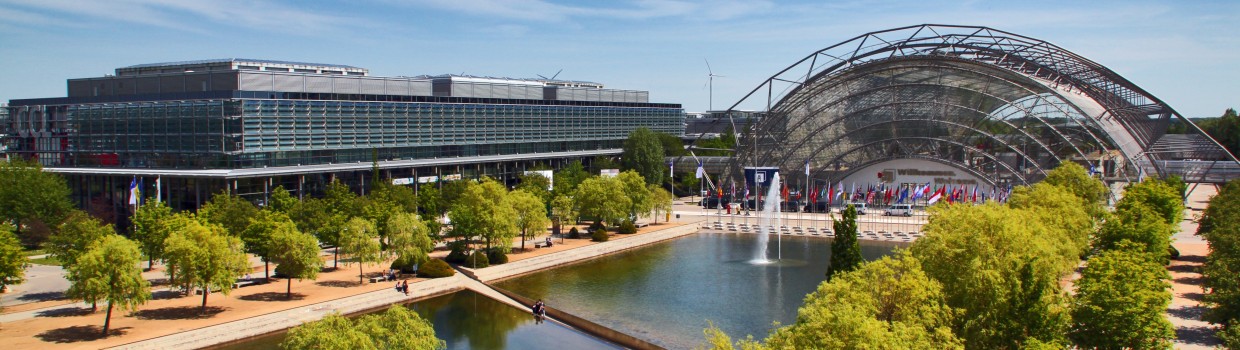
<point>1001,105</point>
<point>233,60</point>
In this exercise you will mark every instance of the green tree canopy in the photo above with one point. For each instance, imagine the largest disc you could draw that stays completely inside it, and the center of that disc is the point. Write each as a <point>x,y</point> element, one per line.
<point>638,191</point>
<point>564,207</point>
<point>359,240</point>
<point>603,198</point>
<point>1139,224</point>
<point>410,239</point>
<point>1060,211</point>
<point>1160,196</point>
<point>661,200</point>
<point>295,253</point>
<point>1220,225</point>
<point>257,236</point>
<point>203,255</point>
<point>1120,300</point>
<point>281,201</point>
<point>109,271</point>
<point>315,217</point>
<point>531,213</point>
<point>396,328</point>
<point>479,211</point>
<point>845,250</point>
<point>1001,267</point>
<point>643,153</point>
<point>569,177</point>
<point>1074,178</point>
<point>231,212</point>
<point>28,193</point>
<point>152,225</point>
<point>537,185</point>
<point>430,203</point>
<point>13,261</point>
<point>75,236</point>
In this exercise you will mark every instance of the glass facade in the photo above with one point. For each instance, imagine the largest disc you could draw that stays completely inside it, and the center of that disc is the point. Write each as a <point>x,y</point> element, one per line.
<point>253,133</point>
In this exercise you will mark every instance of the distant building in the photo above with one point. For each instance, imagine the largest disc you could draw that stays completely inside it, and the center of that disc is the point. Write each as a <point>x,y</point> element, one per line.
<point>246,126</point>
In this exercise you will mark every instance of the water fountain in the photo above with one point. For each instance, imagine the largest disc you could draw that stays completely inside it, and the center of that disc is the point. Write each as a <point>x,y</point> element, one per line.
<point>768,221</point>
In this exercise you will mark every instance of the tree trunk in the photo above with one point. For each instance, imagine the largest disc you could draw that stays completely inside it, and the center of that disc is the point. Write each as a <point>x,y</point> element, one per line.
<point>205,290</point>
<point>107,321</point>
<point>360,275</point>
<point>288,291</point>
<point>150,263</point>
<point>336,260</point>
<point>522,239</point>
<point>94,306</point>
<point>266,269</point>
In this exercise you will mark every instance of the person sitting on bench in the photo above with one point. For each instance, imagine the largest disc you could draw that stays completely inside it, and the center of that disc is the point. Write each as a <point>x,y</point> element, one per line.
<point>548,245</point>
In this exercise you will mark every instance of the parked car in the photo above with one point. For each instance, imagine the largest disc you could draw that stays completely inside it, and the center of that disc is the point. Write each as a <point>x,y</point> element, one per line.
<point>861,208</point>
<point>750,205</point>
<point>818,207</point>
<point>899,209</point>
<point>790,206</point>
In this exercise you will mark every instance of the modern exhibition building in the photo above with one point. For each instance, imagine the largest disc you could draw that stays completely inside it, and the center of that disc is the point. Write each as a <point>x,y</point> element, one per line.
<point>963,106</point>
<point>246,126</point>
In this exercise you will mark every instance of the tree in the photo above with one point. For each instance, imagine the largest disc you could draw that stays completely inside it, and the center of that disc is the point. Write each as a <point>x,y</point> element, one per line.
<point>563,207</point>
<point>1076,179</point>
<point>295,253</point>
<point>281,201</point>
<point>643,153</point>
<point>359,240</point>
<point>1220,226</point>
<point>151,227</point>
<point>333,332</point>
<point>257,236</point>
<point>479,211</point>
<point>1138,224</point>
<point>430,203</point>
<point>1225,130</point>
<point>231,212</point>
<point>1001,267</point>
<point>672,145</point>
<point>76,236</point>
<point>314,216</point>
<point>203,255</point>
<point>13,261</point>
<point>531,213</point>
<point>537,185</point>
<point>396,328</point>
<point>662,201</point>
<point>888,303</point>
<point>1160,196</point>
<point>603,198</point>
<point>27,193</point>
<point>640,202</point>
<point>400,328</point>
<point>1060,210</point>
<point>1120,300</point>
<point>411,241</point>
<point>383,202</point>
<point>109,271</point>
<point>845,251</point>
<point>567,179</point>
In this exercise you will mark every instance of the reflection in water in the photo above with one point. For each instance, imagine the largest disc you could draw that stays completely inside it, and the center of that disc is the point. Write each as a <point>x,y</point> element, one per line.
<point>665,293</point>
<point>468,320</point>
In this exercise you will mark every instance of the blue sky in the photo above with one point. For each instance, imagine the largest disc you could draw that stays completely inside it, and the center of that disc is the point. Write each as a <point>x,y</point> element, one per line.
<point>1187,53</point>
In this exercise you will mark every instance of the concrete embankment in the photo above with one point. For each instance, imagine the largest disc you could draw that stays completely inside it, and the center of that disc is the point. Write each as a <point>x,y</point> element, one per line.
<point>538,263</point>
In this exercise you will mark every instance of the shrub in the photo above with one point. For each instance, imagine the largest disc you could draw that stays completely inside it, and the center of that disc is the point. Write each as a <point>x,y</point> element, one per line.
<point>597,225</point>
<point>404,264</point>
<point>573,233</point>
<point>1174,253</point>
<point>477,260</point>
<point>457,255</point>
<point>599,236</point>
<point>435,269</point>
<point>627,227</point>
<point>496,256</point>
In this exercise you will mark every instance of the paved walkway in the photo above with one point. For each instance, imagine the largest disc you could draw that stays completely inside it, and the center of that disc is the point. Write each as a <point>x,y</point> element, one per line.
<point>1185,310</point>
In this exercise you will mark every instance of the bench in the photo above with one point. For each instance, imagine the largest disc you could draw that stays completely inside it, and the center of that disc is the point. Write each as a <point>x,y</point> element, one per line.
<point>541,244</point>
<point>380,278</point>
<point>249,282</point>
<point>643,224</point>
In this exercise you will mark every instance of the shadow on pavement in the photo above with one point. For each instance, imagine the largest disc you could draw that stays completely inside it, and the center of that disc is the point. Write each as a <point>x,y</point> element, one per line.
<point>45,296</point>
<point>337,284</point>
<point>179,313</point>
<point>1197,336</point>
<point>64,312</point>
<point>272,296</point>
<point>78,334</point>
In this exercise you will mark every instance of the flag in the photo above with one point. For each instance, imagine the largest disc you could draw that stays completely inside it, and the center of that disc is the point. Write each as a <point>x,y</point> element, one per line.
<point>935,197</point>
<point>671,169</point>
<point>925,191</point>
<point>732,193</point>
<point>700,171</point>
<point>746,186</point>
<point>853,193</point>
<point>839,189</point>
<point>887,196</point>
<point>134,191</point>
<point>974,193</point>
<point>158,190</point>
<point>903,195</point>
<point>783,193</point>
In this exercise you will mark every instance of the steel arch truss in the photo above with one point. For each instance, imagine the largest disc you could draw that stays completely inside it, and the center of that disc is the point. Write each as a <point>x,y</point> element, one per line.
<point>998,104</point>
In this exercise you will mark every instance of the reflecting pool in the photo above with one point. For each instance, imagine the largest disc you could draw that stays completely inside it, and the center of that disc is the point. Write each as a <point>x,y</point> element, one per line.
<point>468,320</point>
<point>665,293</point>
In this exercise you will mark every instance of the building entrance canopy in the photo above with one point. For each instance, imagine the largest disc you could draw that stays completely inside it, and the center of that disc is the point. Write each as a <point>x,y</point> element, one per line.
<point>998,104</point>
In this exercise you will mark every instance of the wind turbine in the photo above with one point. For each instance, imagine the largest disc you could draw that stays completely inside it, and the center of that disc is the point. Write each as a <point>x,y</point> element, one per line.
<point>557,73</point>
<point>710,76</point>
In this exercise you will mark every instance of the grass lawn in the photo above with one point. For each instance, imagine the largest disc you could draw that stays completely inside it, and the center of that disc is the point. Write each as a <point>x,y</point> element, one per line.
<point>48,260</point>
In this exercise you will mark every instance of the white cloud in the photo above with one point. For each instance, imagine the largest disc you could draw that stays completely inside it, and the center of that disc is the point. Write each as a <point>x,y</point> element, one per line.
<point>172,14</point>
<point>547,11</point>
